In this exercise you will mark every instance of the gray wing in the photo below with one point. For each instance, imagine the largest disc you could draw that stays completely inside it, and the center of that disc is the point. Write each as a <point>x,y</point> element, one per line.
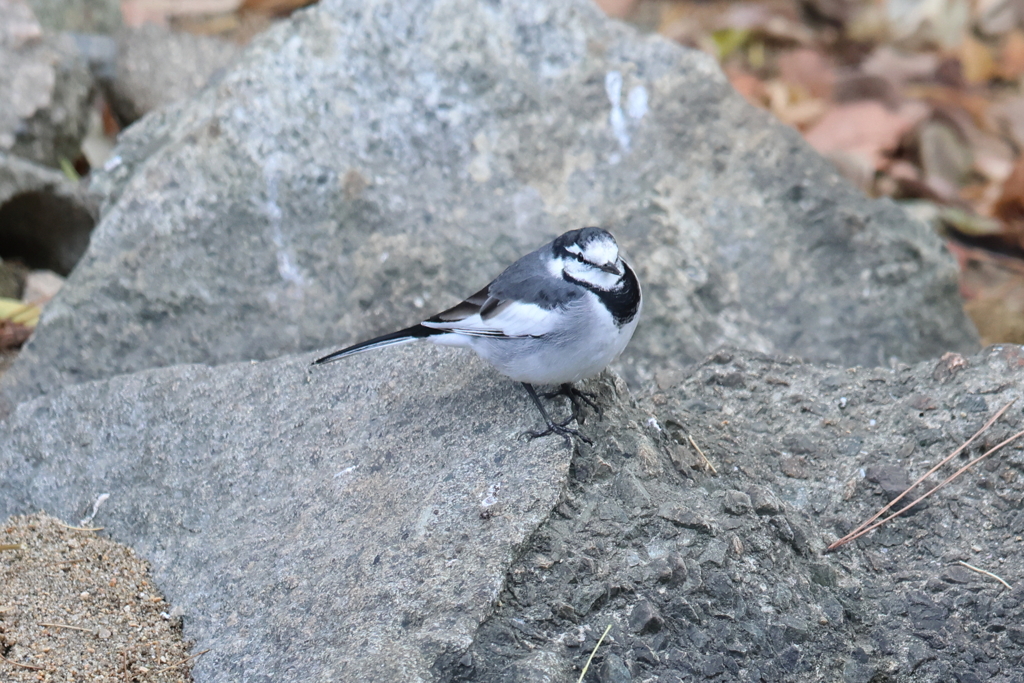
<point>528,280</point>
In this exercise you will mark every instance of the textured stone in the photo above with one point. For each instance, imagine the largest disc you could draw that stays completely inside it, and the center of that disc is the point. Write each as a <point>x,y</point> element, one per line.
<point>45,87</point>
<point>366,165</point>
<point>311,524</point>
<point>156,66</point>
<point>85,16</point>
<point>787,610</point>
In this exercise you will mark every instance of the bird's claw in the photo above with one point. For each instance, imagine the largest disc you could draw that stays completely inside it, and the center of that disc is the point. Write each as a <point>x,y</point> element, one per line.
<point>562,430</point>
<point>577,398</point>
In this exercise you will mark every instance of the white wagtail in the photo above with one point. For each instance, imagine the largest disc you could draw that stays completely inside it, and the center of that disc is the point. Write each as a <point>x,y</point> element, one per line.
<point>556,316</point>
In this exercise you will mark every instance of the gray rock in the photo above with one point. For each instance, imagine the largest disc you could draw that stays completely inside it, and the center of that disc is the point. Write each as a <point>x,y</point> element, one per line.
<point>736,503</point>
<point>613,670</point>
<point>84,16</point>
<point>45,86</point>
<point>321,524</point>
<point>784,609</point>
<point>363,167</point>
<point>45,219</point>
<point>156,66</point>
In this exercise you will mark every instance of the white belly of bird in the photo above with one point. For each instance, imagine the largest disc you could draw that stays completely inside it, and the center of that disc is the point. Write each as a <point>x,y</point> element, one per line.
<point>582,349</point>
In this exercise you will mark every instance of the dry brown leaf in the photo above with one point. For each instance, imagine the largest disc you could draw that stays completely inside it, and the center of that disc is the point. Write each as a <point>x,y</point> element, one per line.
<point>747,85</point>
<point>979,66</point>
<point>993,156</point>
<point>938,22</point>
<point>13,335</point>
<point>1010,205</point>
<point>804,113</point>
<point>613,8</point>
<point>139,12</point>
<point>867,129</point>
<point>1007,117</point>
<point>901,169</point>
<point>973,103</point>
<point>992,286</point>
<point>900,68</point>
<point>851,87</point>
<point>809,69</point>
<point>1011,55</point>
<point>997,17</point>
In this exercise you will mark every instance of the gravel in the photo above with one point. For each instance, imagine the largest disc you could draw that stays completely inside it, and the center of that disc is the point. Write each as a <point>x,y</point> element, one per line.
<point>75,606</point>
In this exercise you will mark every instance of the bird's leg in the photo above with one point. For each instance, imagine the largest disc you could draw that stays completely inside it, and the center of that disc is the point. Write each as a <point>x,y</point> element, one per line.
<point>553,427</point>
<point>577,397</point>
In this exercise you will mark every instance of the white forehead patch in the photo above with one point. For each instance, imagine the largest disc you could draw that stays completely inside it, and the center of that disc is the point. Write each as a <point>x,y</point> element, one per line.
<point>601,251</point>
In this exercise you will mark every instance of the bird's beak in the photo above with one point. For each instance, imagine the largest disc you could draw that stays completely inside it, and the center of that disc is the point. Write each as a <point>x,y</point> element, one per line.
<point>612,268</point>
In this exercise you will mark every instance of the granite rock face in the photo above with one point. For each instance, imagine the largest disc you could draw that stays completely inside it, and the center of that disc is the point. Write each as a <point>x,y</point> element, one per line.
<point>365,522</point>
<point>352,522</point>
<point>156,66</point>
<point>45,87</point>
<point>723,576</point>
<point>81,16</point>
<point>364,166</point>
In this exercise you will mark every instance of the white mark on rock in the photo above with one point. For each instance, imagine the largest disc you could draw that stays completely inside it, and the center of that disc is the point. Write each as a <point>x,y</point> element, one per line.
<point>613,88</point>
<point>636,109</point>
<point>636,103</point>
<point>347,470</point>
<point>286,266</point>
<point>491,498</point>
<point>102,498</point>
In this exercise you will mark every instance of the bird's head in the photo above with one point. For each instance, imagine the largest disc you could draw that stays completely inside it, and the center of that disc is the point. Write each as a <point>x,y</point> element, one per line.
<point>590,256</point>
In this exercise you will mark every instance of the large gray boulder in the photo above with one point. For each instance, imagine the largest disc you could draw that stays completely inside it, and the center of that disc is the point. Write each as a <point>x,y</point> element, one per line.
<point>348,523</point>
<point>380,520</point>
<point>367,165</point>
<point>724,577</point>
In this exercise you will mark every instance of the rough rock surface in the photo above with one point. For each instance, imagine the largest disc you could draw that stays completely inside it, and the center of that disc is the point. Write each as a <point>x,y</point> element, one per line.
<point>348,523</point>
<point>85,16</point>
<point>45,219</point>
<point>352,522</point>
<point>364,166</point>
<point>45,88</point>
<point>156,66</point>
<point>723,577</point>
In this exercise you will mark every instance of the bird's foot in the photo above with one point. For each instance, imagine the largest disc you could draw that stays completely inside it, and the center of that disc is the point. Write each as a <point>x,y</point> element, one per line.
<point>577,398</point>
<point>562,430</point>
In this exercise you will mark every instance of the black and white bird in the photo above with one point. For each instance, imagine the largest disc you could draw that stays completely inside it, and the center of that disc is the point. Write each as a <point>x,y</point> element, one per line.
<point>558,315</point>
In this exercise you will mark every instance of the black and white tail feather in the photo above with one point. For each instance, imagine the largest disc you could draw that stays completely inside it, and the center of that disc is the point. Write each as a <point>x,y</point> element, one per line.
<point>558,315</point>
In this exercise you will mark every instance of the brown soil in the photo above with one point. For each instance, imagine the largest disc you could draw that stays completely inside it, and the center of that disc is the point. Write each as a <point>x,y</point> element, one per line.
<point>77,607</point>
